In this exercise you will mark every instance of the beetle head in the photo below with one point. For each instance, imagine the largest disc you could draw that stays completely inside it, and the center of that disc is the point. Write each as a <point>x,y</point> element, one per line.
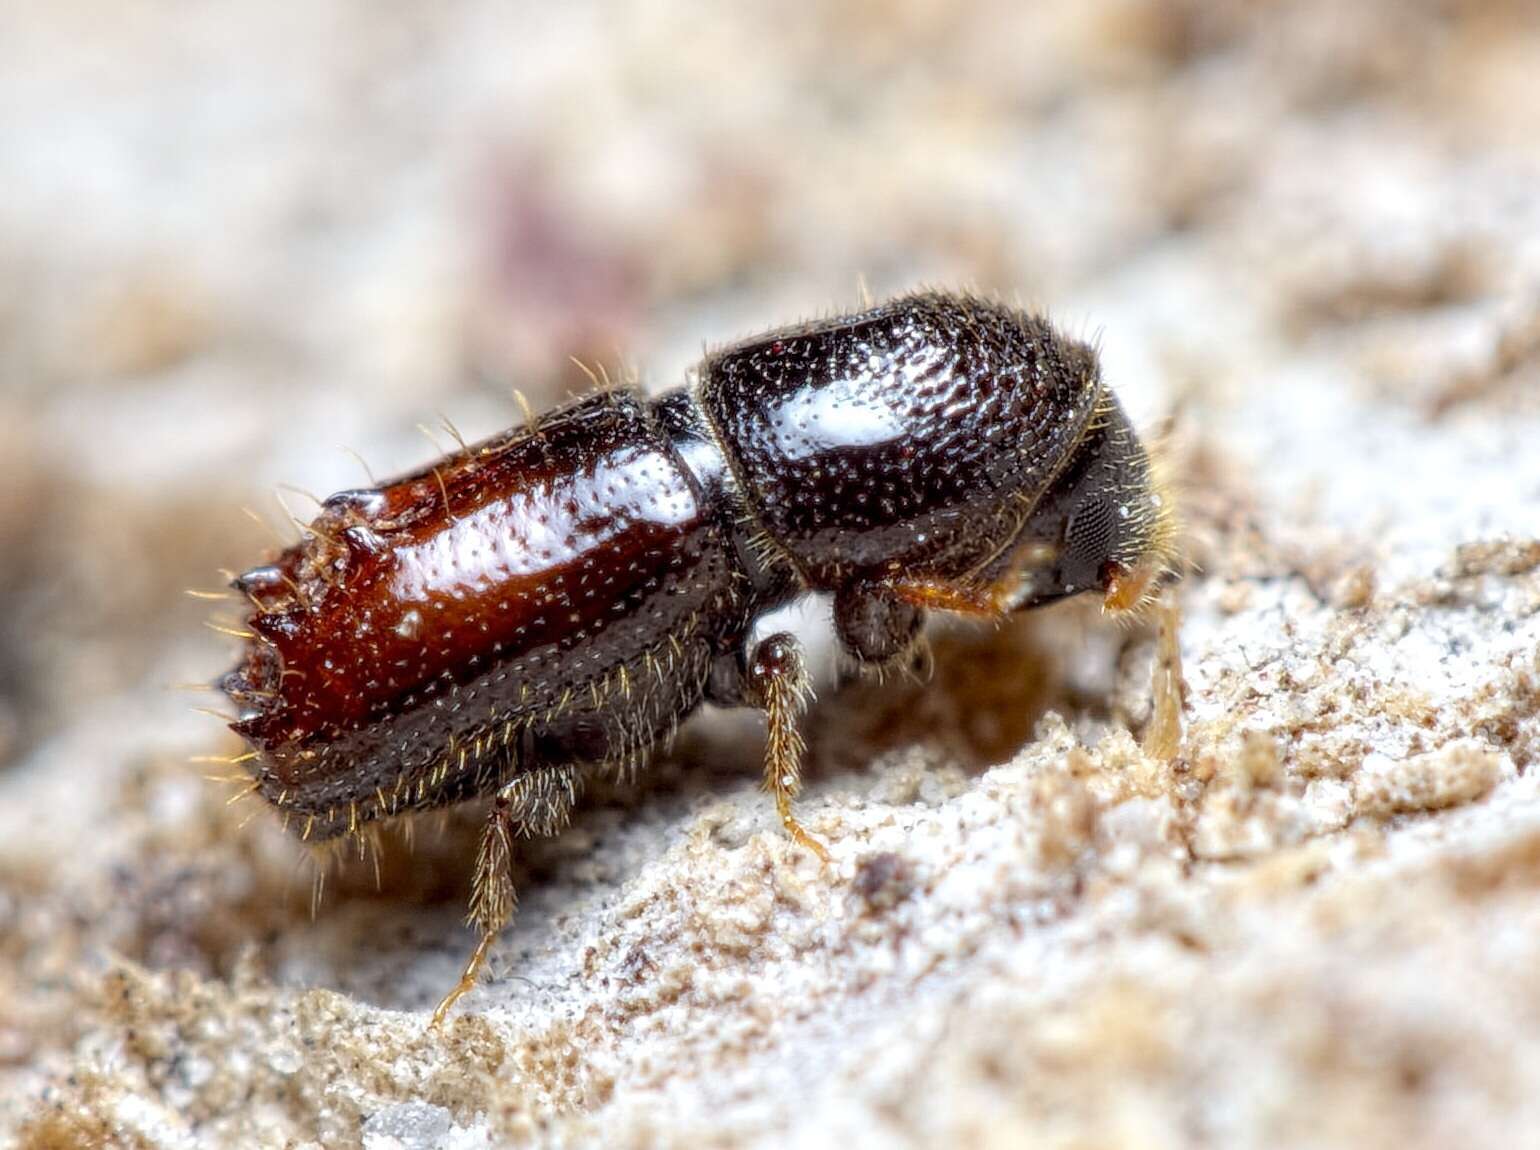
<point>1106,522</point>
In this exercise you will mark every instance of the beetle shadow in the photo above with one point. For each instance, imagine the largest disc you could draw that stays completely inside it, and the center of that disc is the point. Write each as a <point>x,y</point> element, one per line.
<point>986,692</point>
<point>391,929</point>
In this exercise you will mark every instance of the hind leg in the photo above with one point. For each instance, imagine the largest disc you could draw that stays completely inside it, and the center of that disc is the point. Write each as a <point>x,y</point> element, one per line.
<point>538,802</point>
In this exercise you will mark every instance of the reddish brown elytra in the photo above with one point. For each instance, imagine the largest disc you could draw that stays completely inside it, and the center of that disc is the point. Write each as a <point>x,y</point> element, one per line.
<point>553,601</point>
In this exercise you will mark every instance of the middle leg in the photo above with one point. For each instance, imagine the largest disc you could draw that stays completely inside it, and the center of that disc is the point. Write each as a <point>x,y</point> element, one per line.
<point>772,679</point>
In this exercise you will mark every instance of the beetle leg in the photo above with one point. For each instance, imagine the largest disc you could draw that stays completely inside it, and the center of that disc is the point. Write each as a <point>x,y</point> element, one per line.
<point>1163,733</point>
<point>540,801</point>
<point>535,802</point>
<point>990,602</point>
<point>778,685</point>
<point>995,599</point>
<point>492,897</point>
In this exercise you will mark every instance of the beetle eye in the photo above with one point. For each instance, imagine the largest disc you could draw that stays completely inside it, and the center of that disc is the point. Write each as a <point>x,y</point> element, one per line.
<point>1090,533</point>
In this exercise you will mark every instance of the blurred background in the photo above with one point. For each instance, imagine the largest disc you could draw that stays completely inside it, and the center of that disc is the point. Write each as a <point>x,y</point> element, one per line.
<point>239,238</point>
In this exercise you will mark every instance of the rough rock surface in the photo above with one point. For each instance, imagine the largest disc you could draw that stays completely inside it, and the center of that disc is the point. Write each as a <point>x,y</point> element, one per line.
<point>1308,239</point>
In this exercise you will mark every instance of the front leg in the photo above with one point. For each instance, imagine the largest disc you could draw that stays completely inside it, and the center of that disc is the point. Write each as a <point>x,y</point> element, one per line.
<point>775,682</point>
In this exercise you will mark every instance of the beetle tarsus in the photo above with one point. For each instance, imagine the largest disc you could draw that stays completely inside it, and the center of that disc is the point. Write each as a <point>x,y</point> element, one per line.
<point>467,981</point>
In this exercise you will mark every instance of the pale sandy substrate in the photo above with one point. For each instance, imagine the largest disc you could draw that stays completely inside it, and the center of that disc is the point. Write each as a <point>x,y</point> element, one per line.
<point>1307,243</point>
